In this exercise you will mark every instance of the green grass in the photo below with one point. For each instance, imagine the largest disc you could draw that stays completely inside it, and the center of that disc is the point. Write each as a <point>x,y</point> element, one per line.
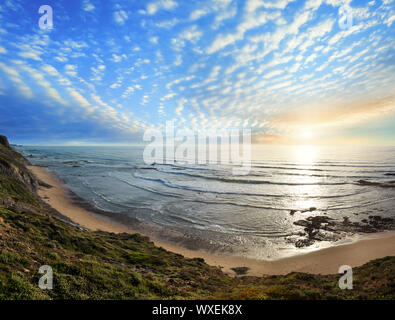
<point>102,265</point>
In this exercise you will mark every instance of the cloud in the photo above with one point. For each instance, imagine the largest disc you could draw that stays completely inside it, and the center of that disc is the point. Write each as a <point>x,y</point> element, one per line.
<point>167,23</point>
<point>15,77</point>
<point>50,70</point>
<point>180,106</point>
<point>128,92</point>
<point>117,58</point>
<point>178,60</point>
<point>273,74</point>
<point>335,114</point>
<point>154,40</point>
<point>41,81</point>
<point>198,13</point>
<point>87,6</point>
<point>98,72</point>
<point>390,21</point>
<point>251,20</point>
<point>253,5</point>
<point>120,16</point>
<point>191,34</point>
<point>71,70</point>
<point>223,14</point>
<point>168,96</point>
<point>35,55</point>
<point>78,98</point>
<point>155,6</point>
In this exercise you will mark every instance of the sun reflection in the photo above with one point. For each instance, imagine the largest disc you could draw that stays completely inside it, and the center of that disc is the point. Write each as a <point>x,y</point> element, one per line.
<point>305,154</point>
<point>302,202</point>
<point>304,157</point>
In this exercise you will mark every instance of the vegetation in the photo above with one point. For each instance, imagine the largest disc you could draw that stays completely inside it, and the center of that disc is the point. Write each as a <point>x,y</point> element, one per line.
<point>102,265</point>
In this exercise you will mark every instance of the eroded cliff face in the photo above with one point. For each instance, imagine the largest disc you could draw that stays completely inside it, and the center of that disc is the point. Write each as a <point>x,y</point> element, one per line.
<point>4,141</point>
<point>13,165</point>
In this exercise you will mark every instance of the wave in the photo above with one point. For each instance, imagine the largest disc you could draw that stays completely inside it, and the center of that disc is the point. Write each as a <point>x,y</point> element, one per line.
<point>361,205</point>
<point>183,187</point>
<point>329,164</point>
<point>247,181</point>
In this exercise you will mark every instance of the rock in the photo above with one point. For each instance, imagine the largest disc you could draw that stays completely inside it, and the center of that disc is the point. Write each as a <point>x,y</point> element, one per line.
<point>292,212</point>
<point>346,220</point>
<point>45,185</point>
<point>240,270</point>
<point>303,243</point>
<point>302,223</point>
<point>309,209</point>
<point>318,220</point>
<point>4,141</point>
<point>323,228</point>
<point>313,225</point>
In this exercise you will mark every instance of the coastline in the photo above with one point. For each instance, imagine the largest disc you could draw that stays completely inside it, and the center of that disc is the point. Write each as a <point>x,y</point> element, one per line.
<point>323,261</point>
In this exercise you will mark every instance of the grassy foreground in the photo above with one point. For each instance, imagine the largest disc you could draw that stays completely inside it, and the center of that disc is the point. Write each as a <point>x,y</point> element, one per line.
<point>102,265</point>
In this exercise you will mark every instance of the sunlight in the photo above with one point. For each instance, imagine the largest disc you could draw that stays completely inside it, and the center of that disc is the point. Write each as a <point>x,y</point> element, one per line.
<point>305,154</point>
<point>306,135</point>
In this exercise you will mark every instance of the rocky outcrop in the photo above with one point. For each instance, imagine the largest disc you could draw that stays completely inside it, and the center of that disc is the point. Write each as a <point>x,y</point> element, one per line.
<point>4,141</point>
<point>323,228</point>
<point>13,165</point>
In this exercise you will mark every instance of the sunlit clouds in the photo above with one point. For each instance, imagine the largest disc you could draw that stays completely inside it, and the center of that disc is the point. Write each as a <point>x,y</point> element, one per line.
<point>286,69</point>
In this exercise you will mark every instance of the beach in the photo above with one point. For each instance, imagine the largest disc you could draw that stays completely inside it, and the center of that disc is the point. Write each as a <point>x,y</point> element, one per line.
<point>324,261</point>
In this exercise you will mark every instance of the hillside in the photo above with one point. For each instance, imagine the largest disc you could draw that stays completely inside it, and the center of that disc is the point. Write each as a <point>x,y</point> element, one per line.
<point>101,265</point>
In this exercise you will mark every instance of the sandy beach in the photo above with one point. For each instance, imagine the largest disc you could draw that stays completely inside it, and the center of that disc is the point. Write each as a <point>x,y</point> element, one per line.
<point>324,261</point>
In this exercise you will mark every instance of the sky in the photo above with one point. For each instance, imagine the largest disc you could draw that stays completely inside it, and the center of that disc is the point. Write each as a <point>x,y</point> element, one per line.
<point>314,71</point>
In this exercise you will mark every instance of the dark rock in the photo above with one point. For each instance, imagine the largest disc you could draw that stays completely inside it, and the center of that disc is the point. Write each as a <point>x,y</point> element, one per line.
<point>240,270</point>
<point>292,212</point>
<point>303,243</point>
<point>45,185</point>
<point>302,223</point>
<point>323,228</point>
<point>4,141</point>
<point>346,220</point>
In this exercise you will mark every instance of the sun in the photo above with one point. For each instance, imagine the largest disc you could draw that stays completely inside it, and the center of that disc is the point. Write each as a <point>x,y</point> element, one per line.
<point>306,135</point>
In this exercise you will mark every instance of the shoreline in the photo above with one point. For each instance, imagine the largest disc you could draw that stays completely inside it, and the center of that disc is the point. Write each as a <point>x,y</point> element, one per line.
<point>323,261</point>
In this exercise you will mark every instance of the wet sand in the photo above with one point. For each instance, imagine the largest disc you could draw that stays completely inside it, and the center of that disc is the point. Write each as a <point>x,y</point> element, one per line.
<point>324,261</point>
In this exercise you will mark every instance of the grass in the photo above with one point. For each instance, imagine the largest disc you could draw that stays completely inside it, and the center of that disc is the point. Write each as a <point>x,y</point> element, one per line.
<point>102,265</point>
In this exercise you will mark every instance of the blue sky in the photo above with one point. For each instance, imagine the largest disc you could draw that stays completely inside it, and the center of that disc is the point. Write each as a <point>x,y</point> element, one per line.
<point>287,69</point>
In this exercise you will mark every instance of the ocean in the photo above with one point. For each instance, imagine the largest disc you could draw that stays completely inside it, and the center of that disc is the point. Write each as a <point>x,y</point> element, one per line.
<point>206,207</point>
